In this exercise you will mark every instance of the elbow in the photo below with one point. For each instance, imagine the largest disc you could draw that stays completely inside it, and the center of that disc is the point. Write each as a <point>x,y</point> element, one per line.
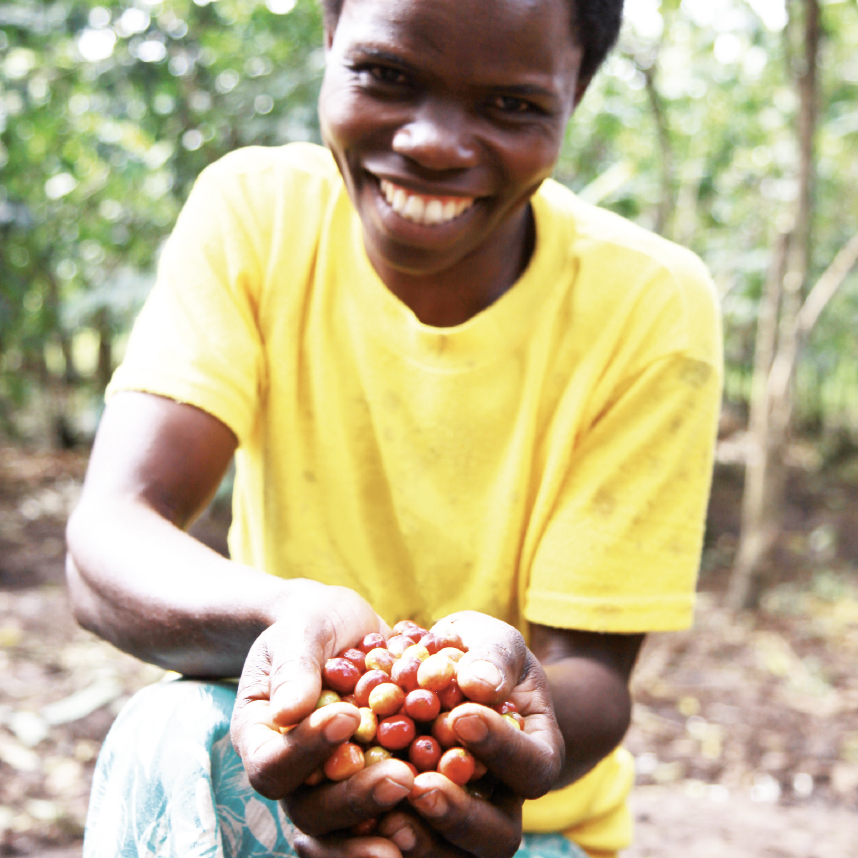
<point>595,732</point>
<point>615,722</point>
<point>82,598</point>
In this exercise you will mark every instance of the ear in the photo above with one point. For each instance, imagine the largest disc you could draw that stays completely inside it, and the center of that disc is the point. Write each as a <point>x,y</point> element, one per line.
<point>330,28</point>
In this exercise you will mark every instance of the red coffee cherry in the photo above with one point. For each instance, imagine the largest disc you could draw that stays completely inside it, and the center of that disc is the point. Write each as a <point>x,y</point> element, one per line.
<point>396,732</point>
<point>372,641</point>
<point>451,696</point>
<point>404,672</point>
<point>424,752</point>
<point>366,683</point>
<point>340,675</point>
<point>347,760</point>
<point>356,657</point>
<point>457,764</point>
<point>422,705</point>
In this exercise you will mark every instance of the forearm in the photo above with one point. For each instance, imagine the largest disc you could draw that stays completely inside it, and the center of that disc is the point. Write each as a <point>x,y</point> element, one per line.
<point>152,590</point>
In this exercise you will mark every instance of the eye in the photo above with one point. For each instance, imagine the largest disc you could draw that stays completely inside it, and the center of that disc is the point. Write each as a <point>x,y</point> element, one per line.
<point>512,104</point>
<point>387,75</point>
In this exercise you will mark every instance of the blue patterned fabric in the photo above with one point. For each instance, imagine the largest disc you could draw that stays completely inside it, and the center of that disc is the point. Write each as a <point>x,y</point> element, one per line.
<point>168,784</point>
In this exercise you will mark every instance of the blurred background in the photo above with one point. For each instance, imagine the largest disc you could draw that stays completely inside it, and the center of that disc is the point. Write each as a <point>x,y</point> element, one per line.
<point>730,126</point>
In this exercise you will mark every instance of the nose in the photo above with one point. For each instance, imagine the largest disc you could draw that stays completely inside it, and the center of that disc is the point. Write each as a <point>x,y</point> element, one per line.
<point>438,137</point>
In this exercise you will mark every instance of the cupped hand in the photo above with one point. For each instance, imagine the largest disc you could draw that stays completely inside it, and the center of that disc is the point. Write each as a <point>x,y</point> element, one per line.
<point>447,821</point>
<point>281,682</point>
<point>442,820</point>
<point>497,667</point>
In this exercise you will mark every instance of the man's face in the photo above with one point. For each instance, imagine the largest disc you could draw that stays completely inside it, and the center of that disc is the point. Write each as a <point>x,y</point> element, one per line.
<point>444,116</point>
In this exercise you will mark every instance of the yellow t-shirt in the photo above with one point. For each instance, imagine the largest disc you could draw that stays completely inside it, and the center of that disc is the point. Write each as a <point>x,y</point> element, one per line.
<point>546,461</point>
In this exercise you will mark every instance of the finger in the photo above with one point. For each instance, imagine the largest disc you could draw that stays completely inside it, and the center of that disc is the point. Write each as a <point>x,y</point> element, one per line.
<point>278,763</point>
<point>368,794</point>
<point>496,656</point>
<point>286,659</point>
<point>297,651</point>
<point>294,650</point>
<point>482,828</point>
<point>415,838</point>
<point>344,847</point>
<point>528,761</point>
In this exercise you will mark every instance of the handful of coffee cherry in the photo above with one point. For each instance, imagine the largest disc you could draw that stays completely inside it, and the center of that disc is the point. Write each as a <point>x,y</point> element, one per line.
<point>405,688</point>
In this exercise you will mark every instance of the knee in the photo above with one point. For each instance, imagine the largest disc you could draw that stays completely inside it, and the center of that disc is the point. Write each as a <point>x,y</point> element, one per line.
<point>178,705</point>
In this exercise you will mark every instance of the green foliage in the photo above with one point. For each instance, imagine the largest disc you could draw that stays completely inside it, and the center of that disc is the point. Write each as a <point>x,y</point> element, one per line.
<point>107,115</point>
<point>721,74</point>
<point>109,111</point>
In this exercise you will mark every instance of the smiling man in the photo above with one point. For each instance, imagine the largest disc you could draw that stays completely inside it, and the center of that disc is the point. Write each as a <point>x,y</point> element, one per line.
<point>456,394</point>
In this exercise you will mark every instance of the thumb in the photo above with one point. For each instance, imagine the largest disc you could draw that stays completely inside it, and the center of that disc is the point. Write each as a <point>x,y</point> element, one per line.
<point>496,655</point>
<point>329,620</point>
<point>294,660</point>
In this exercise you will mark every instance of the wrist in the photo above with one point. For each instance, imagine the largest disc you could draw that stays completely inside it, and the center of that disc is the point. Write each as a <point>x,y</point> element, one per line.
<point>287,595</point>
<point>338,615</point>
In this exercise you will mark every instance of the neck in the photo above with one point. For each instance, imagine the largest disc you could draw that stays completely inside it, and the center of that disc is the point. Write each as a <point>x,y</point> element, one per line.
<point>456,294</point>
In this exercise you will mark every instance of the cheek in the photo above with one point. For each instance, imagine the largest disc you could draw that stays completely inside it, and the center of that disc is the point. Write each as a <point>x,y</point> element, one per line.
<point>339,111</point>
<point>330,115</point>
<point>349,118</point>
<point>527,165</point>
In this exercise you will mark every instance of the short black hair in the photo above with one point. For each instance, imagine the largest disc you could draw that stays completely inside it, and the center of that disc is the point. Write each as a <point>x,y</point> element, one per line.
<point>595,24</point>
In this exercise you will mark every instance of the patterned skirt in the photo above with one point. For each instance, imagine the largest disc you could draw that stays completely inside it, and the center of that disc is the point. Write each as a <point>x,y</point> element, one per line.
<point>168,784</point>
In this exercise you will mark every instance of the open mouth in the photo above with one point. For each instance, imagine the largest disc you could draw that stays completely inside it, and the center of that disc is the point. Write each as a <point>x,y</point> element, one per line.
<point>422,209</point>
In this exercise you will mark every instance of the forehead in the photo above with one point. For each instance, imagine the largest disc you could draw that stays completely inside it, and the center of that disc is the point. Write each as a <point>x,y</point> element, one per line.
<point>515,36</point>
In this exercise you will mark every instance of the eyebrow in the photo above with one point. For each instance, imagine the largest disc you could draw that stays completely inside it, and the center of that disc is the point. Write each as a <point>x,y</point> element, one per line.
<point>379,55</point>
<point>525,90</point>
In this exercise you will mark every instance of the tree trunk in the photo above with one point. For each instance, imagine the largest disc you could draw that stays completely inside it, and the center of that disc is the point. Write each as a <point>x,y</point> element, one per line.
<point>771,405</point>
<point>53,301</point>
<point>759,500</point>
<point>664,212</point>
<point>104,367</point>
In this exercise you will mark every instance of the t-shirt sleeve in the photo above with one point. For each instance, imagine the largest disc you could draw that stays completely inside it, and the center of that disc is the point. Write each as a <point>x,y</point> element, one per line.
<point>197,338</point>
<point>621,550</point>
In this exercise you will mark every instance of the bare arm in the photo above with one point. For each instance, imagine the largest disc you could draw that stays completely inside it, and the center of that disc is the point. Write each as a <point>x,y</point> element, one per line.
<point>138,580</point>
<point>588,673</point>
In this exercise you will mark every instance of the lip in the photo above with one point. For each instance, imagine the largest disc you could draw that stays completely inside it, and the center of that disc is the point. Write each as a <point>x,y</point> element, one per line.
<point>425,188</point>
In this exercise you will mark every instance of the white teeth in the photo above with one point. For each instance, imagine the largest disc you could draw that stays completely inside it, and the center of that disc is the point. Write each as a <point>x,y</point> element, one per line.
<point>414,208</point>
<point>429,211</point>
<point>434,212</point>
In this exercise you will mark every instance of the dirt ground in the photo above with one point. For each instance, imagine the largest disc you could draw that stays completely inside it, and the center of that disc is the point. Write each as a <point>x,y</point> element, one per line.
<point>745,728</point>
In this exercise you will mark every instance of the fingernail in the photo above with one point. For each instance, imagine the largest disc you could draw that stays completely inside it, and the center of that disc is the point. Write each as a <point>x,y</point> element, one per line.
<point>486,672</point>
<point>471,728</point>
<point>339,728</point>
<point>404,838</point>
<point>389,792</point>
<point>432,803</point>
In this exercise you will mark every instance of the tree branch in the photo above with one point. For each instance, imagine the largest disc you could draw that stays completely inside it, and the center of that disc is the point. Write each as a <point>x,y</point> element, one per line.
<point>827,285</point>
